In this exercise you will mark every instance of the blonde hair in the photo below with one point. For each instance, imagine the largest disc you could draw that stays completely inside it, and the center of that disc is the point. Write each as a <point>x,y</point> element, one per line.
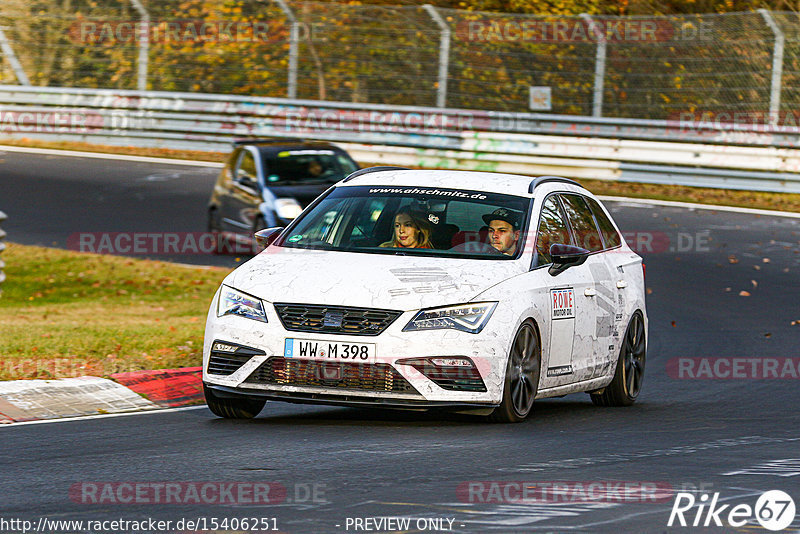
<point>422,226</point>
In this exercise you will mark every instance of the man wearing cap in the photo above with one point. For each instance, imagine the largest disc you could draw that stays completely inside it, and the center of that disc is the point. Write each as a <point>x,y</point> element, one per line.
<point>503,230</point>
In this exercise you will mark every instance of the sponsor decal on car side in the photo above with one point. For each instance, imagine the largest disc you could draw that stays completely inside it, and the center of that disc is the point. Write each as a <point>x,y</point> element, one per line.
<point>559,371</point>
<point>563,303</point>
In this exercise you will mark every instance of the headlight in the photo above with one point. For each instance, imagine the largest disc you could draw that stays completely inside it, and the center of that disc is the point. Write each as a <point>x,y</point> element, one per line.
<point>287,208</point>
<point>465,317</point>
<point>233,302</point>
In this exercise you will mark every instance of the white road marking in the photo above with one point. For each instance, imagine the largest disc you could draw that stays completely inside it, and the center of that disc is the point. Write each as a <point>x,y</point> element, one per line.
<point>691,205</point>
<point>788,467</point>
<point>575,463</point>
<point>101,155</point>
<point>101,416</point>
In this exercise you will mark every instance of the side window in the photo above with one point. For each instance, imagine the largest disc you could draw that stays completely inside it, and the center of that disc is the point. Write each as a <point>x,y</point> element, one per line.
<point>610,235</point>
<point>367,218</point>
<point>327,218</point>
<point>582,222</point>
<point>552,230</point>
<point>247,167</point>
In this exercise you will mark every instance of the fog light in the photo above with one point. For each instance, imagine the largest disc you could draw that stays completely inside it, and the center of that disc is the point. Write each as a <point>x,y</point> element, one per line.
<point>452,373</point>
<point>223,347</point>
<point>451,362</point>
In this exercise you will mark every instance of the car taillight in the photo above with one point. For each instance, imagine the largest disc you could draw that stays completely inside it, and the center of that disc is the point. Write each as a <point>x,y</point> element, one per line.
<point>644,271</point>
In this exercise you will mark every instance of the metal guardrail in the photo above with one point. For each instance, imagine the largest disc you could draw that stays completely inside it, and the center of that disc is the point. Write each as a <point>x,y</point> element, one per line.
<point>2,247</point>
<point>709,155</point>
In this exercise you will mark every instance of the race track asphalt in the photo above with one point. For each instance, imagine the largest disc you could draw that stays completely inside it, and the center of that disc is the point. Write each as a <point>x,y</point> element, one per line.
<point>735,437</point>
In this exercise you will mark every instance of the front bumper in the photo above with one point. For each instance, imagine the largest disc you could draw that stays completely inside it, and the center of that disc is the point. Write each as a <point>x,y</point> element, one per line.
<point>262,370</point>
<point>342,399</point>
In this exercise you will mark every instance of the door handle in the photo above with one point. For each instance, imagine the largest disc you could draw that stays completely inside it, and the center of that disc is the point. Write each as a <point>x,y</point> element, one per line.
<point>622,284</point>
<point>590,292</point>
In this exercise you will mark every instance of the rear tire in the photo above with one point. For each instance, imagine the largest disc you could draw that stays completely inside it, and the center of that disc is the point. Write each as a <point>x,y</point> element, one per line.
<point>522,377</point>
<point>627,383</point>
<point>232,408</point>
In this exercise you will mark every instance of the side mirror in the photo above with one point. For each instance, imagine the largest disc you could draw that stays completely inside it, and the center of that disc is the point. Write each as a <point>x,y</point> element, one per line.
<point>566,256</point>
<point>267,236</point>
<point>247,182</point>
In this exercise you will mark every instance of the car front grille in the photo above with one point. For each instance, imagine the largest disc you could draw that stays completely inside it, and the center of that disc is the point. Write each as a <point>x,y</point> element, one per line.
<point>278,370</point>
<point>335,319</point>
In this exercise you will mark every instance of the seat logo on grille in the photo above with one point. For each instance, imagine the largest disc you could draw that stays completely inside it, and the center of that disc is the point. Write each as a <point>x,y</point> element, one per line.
<point>333,319</point>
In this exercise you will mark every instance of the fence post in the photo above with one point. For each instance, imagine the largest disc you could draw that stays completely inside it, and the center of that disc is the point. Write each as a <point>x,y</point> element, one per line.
<point>444,54</point>
<point>2,247</point>
<point>5,46</point>
<point>144,45</point>
<point>599,65</point>
<point>294,41</point>
<point>777,67</point>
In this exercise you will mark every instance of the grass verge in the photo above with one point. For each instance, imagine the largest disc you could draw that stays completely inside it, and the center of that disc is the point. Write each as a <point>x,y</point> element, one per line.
<point>66,314</point>
<point>701,195</point>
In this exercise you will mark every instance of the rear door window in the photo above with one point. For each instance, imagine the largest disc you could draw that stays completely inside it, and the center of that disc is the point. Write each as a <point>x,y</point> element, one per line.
<point>611,237</point>
<point>582,222</point>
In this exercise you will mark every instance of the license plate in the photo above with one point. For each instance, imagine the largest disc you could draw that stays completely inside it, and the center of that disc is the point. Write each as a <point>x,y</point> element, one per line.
<point>329,350</point>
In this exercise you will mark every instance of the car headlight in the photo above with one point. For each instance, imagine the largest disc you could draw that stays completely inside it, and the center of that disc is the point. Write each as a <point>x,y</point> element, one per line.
<point>233,302</point>
<point>287,208</point>
<point>465,317</point>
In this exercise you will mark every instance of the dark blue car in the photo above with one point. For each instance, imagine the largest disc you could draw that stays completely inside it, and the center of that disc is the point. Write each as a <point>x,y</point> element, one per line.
<point>268,182</point>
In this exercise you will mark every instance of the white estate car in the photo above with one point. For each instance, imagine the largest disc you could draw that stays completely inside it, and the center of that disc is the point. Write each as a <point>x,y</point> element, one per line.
<point>474,291</point>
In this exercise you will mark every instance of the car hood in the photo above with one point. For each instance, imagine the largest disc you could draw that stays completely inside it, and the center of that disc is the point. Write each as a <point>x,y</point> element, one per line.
<point>303,193</point>
<point>385,281</point>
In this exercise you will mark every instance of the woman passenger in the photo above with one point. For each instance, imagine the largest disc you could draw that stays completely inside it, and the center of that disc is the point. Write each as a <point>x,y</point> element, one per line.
<point>410,231</point>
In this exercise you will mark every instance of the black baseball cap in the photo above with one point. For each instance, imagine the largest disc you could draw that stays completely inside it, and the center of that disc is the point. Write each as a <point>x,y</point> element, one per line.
<point>503,214</point>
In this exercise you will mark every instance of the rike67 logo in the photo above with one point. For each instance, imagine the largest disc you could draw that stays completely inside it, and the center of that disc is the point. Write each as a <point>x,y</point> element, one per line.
<point>774,510</point>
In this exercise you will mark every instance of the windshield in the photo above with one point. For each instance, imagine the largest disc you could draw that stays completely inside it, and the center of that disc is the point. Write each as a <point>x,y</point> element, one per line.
<point>413,220</point>
<point>307,166</point>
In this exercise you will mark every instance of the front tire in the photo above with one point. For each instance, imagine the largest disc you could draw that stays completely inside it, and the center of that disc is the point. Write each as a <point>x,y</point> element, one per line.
<point>627,383</point>
<point>522,377</point>
<point>213,228</point>
<point>232,408</point>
